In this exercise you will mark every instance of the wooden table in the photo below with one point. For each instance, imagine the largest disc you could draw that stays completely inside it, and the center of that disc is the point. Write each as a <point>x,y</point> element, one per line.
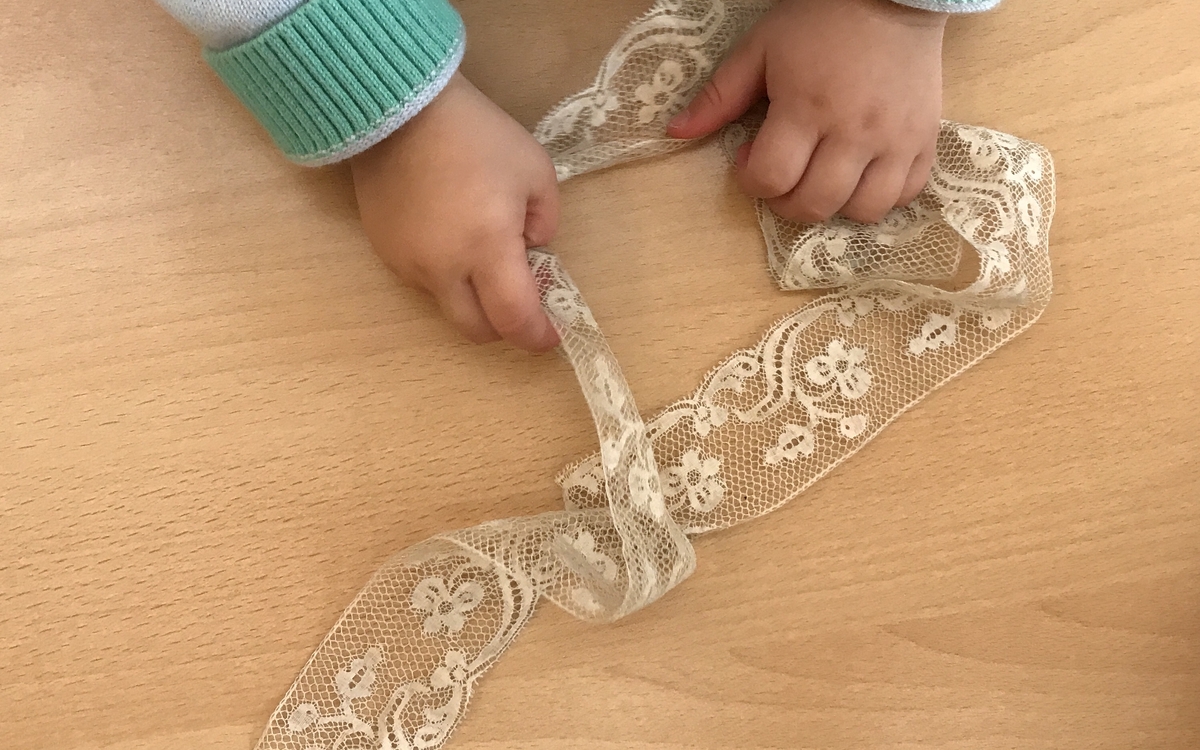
<point>219,414</point>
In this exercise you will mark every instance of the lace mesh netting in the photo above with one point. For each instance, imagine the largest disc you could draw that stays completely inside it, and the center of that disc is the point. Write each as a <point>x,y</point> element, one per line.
<point>397,669</point>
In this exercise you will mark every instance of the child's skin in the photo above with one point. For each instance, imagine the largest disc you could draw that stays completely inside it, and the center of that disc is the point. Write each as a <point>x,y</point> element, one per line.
<point>452,200</point>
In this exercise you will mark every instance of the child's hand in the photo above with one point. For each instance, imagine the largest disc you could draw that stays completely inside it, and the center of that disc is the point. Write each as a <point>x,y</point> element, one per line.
<point>450,202</point>
<point>855,95</point>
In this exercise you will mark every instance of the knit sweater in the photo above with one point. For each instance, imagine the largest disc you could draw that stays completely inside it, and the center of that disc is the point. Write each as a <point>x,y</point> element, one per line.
<point>331,78</point>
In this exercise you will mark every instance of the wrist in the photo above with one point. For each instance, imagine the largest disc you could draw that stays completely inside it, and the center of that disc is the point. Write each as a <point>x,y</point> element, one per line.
<point>456,88</point>
<point>425,120</point>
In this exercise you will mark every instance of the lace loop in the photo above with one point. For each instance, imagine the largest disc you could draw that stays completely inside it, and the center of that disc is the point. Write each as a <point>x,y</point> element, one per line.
<point>397,670</point>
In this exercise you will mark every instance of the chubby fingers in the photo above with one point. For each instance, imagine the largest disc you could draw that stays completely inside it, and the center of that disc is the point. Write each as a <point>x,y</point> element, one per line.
<point>509,299</point>
<point>918,175</point>
<point>831,174</point>
<point>460,304</point>
<point>496,300</point>
<point>737,84</point>
<point>878,190</point>
<point>778,157</point>
<point>498,297</point>
<point>807,178</point>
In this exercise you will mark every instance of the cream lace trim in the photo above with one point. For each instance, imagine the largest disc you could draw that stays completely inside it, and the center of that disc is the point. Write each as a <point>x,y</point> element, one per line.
<point>398,668</point>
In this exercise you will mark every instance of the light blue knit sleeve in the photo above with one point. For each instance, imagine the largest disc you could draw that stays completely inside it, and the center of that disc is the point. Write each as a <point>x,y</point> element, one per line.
<point>221,24</point>
<point>328,78</point>
<point>951,6</point>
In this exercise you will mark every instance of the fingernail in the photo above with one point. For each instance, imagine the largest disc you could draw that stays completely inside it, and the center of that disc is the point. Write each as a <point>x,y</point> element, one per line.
<point>743,155</point>
<point>679,120</point>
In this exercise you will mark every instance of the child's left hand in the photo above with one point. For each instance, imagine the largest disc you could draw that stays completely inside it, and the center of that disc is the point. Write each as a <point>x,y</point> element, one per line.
<point>855,89</point>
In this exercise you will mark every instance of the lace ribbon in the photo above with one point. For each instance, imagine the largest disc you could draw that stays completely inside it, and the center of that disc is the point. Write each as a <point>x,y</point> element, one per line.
<point>398,668</point>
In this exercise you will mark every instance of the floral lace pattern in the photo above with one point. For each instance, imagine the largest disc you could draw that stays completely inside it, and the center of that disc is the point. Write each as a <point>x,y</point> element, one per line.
<point>397,670</point>
<point>656,66</point>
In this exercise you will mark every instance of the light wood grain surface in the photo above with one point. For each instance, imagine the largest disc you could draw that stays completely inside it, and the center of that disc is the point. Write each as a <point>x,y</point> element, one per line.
<point>219,414</point>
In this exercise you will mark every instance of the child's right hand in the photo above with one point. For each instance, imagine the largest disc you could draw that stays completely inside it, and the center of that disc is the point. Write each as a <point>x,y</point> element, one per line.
<point>451,201</point>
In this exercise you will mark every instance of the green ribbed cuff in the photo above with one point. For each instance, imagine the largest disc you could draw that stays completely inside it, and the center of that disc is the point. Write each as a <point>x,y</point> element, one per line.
<point>335,77</point>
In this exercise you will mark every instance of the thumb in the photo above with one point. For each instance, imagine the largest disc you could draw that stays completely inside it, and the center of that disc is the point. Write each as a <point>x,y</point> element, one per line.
<point>736,85</point>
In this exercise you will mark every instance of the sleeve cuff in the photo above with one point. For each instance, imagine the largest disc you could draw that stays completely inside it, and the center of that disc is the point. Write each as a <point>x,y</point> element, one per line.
<point>335,77</point>
<point>951,6</point>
